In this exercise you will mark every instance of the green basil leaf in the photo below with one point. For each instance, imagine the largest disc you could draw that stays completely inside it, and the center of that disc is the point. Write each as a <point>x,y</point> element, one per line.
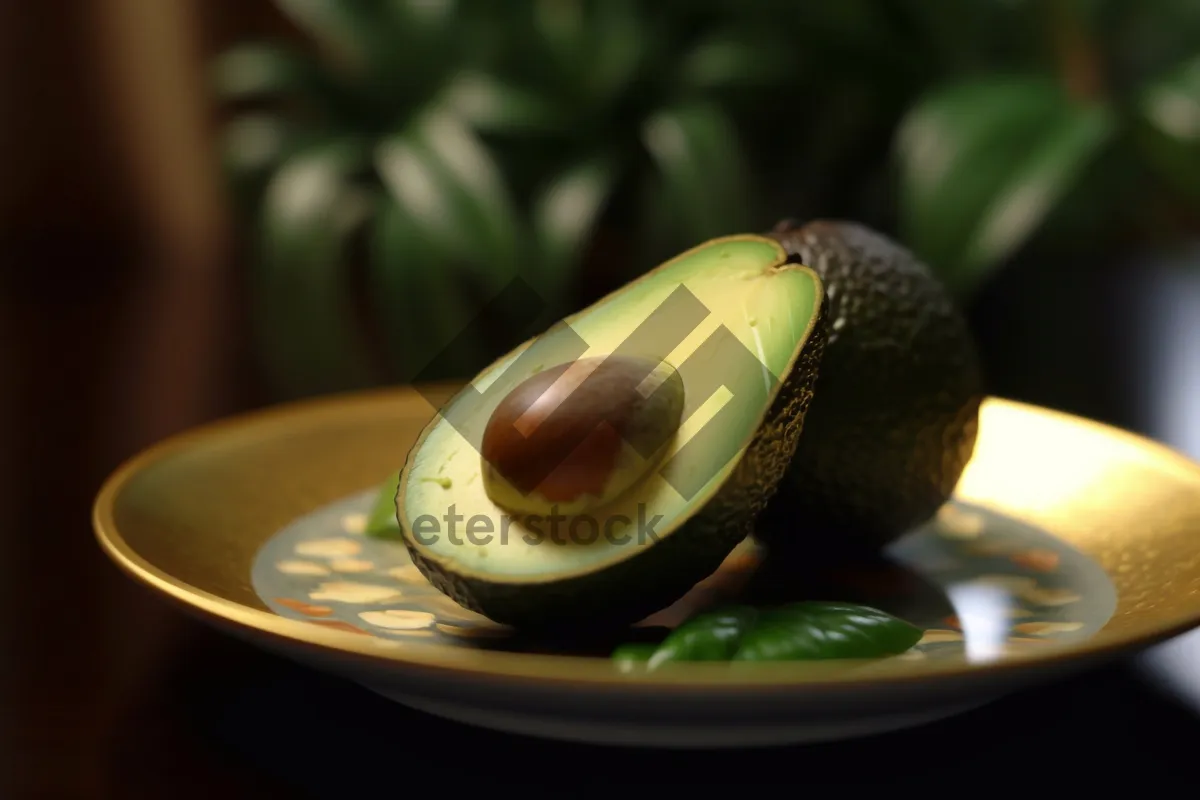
<point>638,652</point>
<point>710,636</point>
<point>632,656</point>
<point>806,631</point>
<point>381,522</point>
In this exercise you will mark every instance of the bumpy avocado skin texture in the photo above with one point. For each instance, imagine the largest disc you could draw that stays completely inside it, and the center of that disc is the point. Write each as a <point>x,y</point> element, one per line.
<point>895,414</point>
<point>628,591</point>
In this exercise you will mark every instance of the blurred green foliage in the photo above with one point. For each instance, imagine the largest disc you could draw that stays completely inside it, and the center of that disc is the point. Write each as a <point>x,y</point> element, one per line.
<point>423,153</point>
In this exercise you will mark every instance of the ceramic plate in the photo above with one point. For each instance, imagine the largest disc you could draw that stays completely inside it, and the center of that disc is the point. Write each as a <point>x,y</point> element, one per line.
<point>1067,542</point>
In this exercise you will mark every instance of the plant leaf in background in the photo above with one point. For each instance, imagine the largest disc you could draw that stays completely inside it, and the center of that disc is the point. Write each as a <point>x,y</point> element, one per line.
<point>947,147</point>
<point>620,43</point>
<point>305,313</point>
<point>478,195</point>
<point>560,27</point>
<point>634,86</point>
<point>696,151</point>
<point>564,217</point>
<point>255,72</point>
<point>1039,182</point>
<point>528,139</point>
<point>728,60</point>
<point>490,105</point>
<point>446,180</point>
<point>421,44</point>
<point>430,180</point>
<point>415,293</point>
<point>252,148</point>
<point>347,30</point>
<point>383,65</point>
<point>983,163</point>
<point>258,141</point>
<point>1170,107</point>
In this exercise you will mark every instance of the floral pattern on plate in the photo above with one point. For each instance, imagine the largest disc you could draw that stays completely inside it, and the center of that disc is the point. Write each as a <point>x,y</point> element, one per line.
<point>978,582</point>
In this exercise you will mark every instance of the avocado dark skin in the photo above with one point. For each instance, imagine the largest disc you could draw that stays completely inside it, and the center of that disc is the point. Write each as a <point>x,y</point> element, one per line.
<point>894,416</point>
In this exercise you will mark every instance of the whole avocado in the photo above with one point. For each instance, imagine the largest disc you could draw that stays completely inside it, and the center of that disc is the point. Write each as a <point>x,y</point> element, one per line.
<point>894,415</point>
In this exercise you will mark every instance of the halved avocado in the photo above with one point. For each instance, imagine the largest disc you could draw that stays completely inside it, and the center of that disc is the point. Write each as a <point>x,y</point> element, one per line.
<point>744,330</point>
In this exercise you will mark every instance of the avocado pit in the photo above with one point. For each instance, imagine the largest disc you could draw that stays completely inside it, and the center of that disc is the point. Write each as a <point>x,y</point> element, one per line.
<point>576,436</point>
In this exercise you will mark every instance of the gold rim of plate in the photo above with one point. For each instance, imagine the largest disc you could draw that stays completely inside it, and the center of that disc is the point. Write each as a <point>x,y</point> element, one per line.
<point>1131,504</point>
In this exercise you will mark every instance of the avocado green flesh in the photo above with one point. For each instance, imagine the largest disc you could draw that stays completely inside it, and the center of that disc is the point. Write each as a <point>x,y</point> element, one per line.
<point>742,282</point>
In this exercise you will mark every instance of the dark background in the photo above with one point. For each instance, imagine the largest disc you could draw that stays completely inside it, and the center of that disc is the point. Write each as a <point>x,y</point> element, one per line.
<point>126,316</point>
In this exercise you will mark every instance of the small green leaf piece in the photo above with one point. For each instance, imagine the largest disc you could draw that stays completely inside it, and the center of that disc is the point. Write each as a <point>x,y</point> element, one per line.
<point>711,636</point>
<point>806,631</point>
<point>809,631</point>
<point>381,523</point>
<point>629,657</point>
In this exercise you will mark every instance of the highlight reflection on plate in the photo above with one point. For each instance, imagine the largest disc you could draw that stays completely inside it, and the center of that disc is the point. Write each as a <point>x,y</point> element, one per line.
<point>981,584</point>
